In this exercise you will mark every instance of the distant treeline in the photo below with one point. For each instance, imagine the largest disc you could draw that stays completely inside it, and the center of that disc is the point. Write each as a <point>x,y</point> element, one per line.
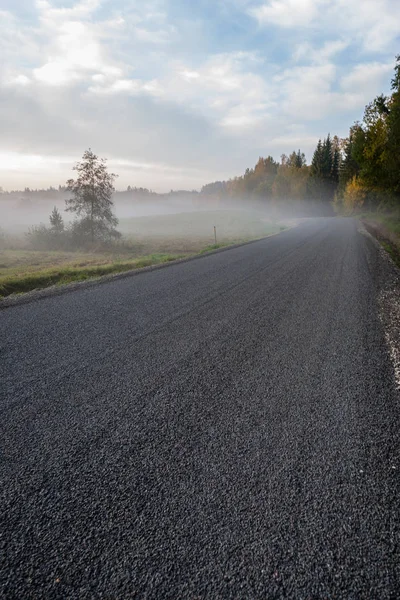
<point>60,193</point>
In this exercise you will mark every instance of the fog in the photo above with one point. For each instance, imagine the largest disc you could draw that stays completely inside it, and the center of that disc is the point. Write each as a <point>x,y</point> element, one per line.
<point>146,215</point>
<point>20,210</point>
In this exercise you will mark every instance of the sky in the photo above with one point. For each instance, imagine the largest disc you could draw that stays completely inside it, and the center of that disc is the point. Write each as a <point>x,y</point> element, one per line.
<point>178,93</point>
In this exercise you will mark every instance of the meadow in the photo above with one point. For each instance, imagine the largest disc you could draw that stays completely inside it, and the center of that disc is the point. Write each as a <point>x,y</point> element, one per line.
<point>145,241</point>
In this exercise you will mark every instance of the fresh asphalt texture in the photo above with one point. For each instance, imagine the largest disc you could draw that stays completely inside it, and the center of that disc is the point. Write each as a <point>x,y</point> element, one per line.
<point>224,428</point>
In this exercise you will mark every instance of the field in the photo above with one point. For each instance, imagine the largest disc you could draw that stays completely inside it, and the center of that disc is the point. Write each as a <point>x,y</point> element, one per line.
<point>146,241</point>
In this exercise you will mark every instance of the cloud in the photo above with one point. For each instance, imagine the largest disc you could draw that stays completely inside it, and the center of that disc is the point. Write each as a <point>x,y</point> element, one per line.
<point>132,87</point>
<point>307,91</point>
<point>73,44</point>
<point>306,52</point>
<point>364,82</point>
<point>320,91</point>
<point>80,10</point>
<point>226,87</point>
<point>194,95</point>
<point>286,13</point>
<point>373,24</point>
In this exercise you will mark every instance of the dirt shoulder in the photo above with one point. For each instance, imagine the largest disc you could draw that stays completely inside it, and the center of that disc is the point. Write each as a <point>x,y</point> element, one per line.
<point>386,276</point>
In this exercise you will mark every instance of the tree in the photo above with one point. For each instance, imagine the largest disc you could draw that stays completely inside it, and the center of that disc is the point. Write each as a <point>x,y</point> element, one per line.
<point>352,147</point>
<point>354,195</point>
<point>315,182</point>
<point>324,172</point>
<point>335,167</point>
<point>56,220</point>
<point>296,160</point>
<point>327,159</point>
<point>393,136</point>
<point>92,198</point>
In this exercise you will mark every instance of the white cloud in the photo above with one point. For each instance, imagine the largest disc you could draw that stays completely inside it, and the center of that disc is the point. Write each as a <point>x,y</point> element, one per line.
<point>306,52</point>
<point>286,13</point>
<point>363,83</point>
<point>134,83</point>
<point>225,87</point>
<point>371,23</point>
<point>126,86</point>
<point>73,47</point>
<point>366,76</point>
<point>80,10</point>
<point>18,80</point>
<point>307,91</point>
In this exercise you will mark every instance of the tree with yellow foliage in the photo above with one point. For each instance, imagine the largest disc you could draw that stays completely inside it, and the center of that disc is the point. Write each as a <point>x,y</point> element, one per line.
<point>354,195</point>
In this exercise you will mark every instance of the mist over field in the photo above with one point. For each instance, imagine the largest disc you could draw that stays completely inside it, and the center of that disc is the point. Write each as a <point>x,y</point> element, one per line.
<point>41,243</point>
<point>153,214</point>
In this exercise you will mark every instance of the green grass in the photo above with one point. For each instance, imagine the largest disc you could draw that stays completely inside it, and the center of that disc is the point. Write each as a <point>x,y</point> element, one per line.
<point>213,247</point>
<point>26,282</point>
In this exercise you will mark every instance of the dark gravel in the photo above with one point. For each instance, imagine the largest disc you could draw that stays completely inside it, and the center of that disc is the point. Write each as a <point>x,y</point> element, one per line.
<point>223,428</point>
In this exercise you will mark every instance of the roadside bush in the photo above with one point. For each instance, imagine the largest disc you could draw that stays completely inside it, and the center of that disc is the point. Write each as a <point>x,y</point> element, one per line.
<point>41,237</point>
<point>89,234</point>
<point>3,239</point>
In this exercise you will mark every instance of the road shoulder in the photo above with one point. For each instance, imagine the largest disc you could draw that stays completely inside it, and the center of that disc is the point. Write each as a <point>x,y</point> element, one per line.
<point>387,280</point>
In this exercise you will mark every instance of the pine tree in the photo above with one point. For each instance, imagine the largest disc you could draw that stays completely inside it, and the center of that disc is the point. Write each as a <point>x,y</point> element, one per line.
<point>335,167</point>
<point>56,221</point>
<point>324,172</point>
<point>327,159</point>
<point>300,159</point>
<point>317,161</point>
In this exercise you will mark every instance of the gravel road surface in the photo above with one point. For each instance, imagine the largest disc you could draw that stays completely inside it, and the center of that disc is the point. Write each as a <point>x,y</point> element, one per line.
<point>227,427</point>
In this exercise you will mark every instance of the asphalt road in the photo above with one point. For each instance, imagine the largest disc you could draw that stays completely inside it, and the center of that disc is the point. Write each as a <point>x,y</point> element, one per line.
<point>224,428</point>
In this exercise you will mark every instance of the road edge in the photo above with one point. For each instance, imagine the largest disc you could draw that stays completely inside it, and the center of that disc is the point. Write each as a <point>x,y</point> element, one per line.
<point>387,282</point>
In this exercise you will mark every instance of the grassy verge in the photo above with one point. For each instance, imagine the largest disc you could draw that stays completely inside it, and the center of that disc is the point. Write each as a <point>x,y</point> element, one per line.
<point>26,282</point>
<point>394,251</point>
<point>215,247</point>
<point>386,229</point>
<point>389,221</point>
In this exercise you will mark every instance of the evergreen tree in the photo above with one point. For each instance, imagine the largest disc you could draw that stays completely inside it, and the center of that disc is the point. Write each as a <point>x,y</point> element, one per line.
<point>296,159</point>
<point>56,221</point>
<point>327,159</point>
<point>335,167</point>
<point>324,172</point>
<point>317,161</point>
<point>300,159</point>
<point>315,186</point>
